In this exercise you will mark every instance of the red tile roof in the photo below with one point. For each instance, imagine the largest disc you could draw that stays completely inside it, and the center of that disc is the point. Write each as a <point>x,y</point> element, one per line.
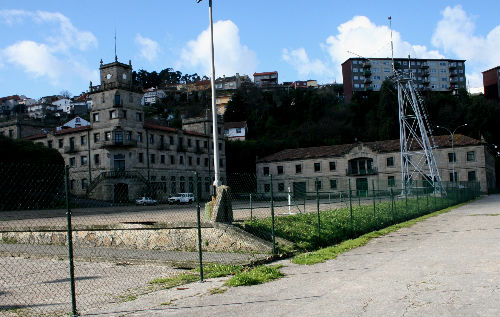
<point>36,136</point>
<point>71,130</point>
<point>149,125</point>
<point>265,73</point>
<point>232,125</point>
<point>441,141</point>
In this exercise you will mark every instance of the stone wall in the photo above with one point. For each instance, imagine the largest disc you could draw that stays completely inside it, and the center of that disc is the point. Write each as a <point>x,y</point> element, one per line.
<point>215,238</point>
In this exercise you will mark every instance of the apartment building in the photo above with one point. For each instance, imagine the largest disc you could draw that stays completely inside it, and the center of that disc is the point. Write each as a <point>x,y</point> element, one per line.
<point>367,74</point>
<point>491,83</point>
<point>364,164</point>
<point>266,79</point>
<point>121,155</point>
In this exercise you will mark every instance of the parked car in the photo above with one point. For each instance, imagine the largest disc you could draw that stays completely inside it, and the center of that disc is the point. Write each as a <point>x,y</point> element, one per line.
<point>181,198</point>
<point>146,201</point>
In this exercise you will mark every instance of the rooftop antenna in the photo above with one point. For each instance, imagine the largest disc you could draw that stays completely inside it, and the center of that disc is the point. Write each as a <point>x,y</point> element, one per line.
<point>415,135</point>
<point>392,46</point>
<point>116,56</point>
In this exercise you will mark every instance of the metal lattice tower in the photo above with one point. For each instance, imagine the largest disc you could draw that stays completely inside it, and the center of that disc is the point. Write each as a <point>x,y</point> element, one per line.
<point>415,136</point>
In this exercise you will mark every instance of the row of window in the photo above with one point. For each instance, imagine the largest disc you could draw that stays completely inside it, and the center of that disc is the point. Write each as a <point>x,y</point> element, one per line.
<point>298,168</point>
<point>317,167</point>
<point>172,160</point>
<point>114,114</point>
<point>162,185</point>
<point>391,182</point>
<point>405,62</point>
<point>119,137</point>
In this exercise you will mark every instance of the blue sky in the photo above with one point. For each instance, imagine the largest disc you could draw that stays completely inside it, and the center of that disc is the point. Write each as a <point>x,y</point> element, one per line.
<point>50,46</point>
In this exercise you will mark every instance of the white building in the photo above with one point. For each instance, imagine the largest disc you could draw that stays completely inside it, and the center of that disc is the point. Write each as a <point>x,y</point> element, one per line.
<point>235,130</point>
<point>63,104</point>
<point>74,123</point>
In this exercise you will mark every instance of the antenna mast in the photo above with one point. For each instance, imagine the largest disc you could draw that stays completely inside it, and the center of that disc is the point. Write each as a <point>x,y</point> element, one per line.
<point>415,134</point>
<point>116,56</point>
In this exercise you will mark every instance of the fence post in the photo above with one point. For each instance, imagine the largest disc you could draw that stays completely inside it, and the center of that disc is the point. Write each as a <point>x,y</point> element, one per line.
<point>350,207</point>
<point>373,194</point>
<point>317,209</point>
<point>251,208</point>
<point>70,244</point>
<point>272,216</point>
<point>392,207</point>
<point>198,223</point>
<point>418,205</point>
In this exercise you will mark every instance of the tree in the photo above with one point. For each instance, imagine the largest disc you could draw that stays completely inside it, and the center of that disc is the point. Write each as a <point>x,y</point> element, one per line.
<point>32,175</point>
<point>65,93</point>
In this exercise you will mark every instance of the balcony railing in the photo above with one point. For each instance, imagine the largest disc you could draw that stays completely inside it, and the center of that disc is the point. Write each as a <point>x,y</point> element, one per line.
<point>70,149</point>
<point>119,143</point>
<point>361,172</point>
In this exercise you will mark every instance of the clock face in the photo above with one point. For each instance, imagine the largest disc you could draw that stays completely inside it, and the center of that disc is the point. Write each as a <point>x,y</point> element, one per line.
<point>108,76</point>
<point>124,76</point>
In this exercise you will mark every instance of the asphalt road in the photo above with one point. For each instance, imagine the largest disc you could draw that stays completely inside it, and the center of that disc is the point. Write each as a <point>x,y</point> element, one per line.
<point>447,265</point>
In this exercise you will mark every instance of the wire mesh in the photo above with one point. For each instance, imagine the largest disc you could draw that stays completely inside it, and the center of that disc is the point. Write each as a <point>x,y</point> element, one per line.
<point>128,228</point>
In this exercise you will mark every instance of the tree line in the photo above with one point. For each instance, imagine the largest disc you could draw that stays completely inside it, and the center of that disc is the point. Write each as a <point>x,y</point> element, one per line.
<point>292,118</point>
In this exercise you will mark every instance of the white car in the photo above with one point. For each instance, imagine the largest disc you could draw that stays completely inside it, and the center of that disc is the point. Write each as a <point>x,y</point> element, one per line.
<point>146,201</point>
<point>181,198</point>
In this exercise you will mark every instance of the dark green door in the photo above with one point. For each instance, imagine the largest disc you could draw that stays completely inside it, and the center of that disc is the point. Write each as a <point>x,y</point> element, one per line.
<point>362,186</point>
<point>299,190</point>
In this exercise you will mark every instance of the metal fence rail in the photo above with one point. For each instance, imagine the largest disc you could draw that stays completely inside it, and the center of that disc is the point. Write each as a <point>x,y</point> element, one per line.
<point>70,246</point>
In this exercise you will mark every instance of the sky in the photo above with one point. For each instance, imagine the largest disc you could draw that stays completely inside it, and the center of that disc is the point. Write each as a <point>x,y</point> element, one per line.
<point>50,46</point>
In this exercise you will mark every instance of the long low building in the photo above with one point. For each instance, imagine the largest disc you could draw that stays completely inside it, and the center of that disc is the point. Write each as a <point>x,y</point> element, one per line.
<point>363,164</point>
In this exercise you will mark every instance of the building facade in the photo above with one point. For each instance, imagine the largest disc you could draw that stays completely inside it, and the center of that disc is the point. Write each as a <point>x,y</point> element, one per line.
<point>364,165</point>
<point>235,130</point>
<point>491,83</point>
<point>266,79</point>
<point>121,155</point>
<point>362,74</point>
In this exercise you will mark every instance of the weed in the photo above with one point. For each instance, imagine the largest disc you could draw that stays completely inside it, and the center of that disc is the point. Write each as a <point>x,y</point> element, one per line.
<point>217,290</point>
<point>257,275</point>
<point>9,240</point>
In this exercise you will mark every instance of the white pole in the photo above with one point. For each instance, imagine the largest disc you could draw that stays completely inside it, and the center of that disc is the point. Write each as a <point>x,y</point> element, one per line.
<point>289,200</point>
<point>217,182</point>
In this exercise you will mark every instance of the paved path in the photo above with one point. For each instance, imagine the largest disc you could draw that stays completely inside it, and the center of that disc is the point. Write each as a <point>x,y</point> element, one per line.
<point>448,265</point>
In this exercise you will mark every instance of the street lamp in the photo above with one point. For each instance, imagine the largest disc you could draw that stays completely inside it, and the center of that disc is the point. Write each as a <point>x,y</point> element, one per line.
<point>452,145</point>
<point>217,182</point>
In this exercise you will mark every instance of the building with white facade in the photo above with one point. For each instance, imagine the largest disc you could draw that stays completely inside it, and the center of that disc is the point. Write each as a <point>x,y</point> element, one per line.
<point>368,74</point>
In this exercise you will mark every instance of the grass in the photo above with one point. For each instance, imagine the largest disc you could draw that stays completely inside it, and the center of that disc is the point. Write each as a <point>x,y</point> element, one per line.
<point>209,271</point>
<point>338,225</point>
<point>258,275</point>
<point>332,252</point>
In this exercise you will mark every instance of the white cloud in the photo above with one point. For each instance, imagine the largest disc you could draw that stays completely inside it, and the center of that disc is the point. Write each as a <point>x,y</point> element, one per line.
<point>35,58</point>
<point>305,67</point>
<point>363,37</point>
<point>149,49</point>
<point>53,58</point>
<point>454,34</point>
<point>230,55</point>
<point>63,37</point>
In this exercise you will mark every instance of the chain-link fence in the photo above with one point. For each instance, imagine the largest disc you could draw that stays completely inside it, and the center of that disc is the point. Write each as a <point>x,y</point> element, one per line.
<point>76,242</point>
<point>311,214</point>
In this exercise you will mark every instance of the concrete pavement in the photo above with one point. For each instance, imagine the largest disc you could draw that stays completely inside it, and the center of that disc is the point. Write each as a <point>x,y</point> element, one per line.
<point>448,265</point>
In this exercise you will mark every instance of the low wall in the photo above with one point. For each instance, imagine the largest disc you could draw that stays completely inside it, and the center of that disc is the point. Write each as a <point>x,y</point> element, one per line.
<point>215,238</point>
